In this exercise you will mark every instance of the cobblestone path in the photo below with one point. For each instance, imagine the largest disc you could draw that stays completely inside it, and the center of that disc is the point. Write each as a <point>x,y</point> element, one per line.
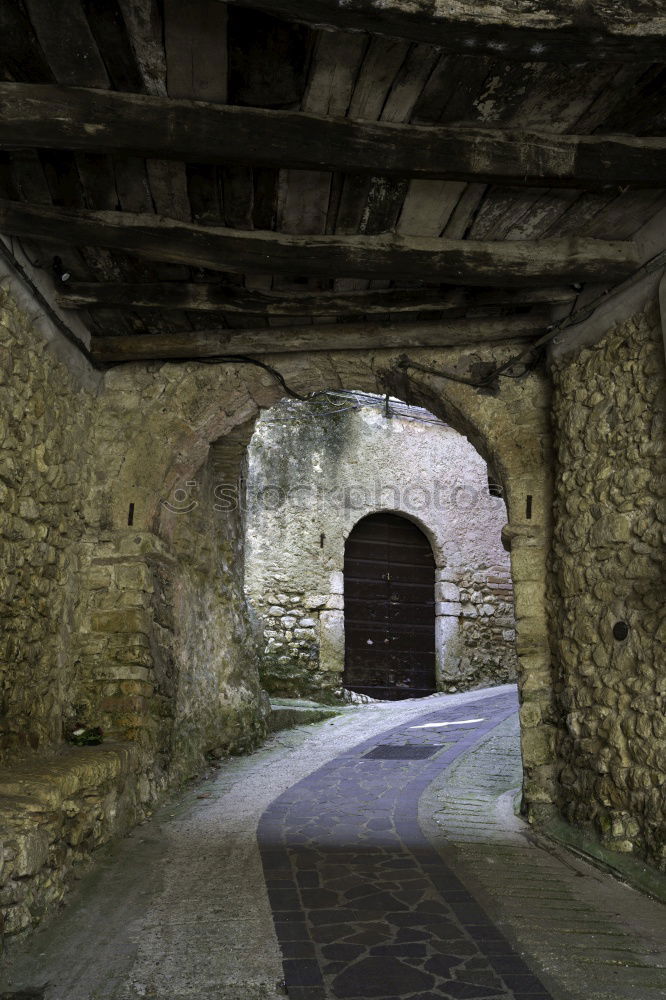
<point>600,937</point>
<point>364,906</point>
<point>367,905</point>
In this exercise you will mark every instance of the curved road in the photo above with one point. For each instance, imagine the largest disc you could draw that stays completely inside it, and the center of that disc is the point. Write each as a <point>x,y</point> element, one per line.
<point>306,861</point>
<point>363,904</point>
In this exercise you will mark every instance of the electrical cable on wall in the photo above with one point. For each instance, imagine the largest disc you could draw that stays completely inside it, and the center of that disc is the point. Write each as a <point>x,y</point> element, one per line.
<point>57,320</point>
<point>489,381</point>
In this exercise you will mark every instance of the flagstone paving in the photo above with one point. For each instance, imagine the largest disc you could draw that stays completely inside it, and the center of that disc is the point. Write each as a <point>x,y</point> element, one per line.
<point>400,871</point>
<point>363,905</point>
<point>391,866</point>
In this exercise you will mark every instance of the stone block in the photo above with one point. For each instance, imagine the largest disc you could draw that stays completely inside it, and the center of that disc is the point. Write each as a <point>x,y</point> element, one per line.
<point>448,608</point>
<point>530,714</point>
<point>17,918</point>
<point>538,745</point>
<point>13,892</point>
<point>28,509</point>
<point>134,576</point>
<point>610,529</point>
<point>447,648</point>
<point>529,599</point>
<point>446,591</point>
<point>316,601</point>
<point>127,672</point>
<point>446,574</point>
<point>331,641</point>
<point>527,562</point>
<point>32,854</point>
<point>98,577</point>
<point>125,620</point>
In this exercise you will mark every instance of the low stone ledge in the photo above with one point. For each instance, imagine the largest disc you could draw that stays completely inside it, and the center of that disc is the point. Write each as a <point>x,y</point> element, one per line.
<point>287,714</point>
<point>55,811</point>
<point>49,780</point>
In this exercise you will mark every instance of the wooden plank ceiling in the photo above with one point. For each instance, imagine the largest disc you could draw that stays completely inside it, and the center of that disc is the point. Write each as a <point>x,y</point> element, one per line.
<point>402,199</point>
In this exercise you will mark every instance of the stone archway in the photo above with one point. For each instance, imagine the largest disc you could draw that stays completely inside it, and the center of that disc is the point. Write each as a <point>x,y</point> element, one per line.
<point>315,469</point>
<point>332,633</point>
<point>185,408</point>
<point>389,613</point>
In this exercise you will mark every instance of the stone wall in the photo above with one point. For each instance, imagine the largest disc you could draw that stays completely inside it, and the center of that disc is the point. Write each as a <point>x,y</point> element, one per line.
<point>45,468</point>
<point>166,645</point>
<point>55,811</point>
<point>609,568</point>
<point>127,615</point>
<point>58,802</point>
<point>218,705</point>
<point>316,469</point>
<point>487,628</point>
<point>137,628</point>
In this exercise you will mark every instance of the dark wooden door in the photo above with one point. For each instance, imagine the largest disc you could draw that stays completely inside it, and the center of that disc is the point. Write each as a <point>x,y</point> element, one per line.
<point>389,609</point>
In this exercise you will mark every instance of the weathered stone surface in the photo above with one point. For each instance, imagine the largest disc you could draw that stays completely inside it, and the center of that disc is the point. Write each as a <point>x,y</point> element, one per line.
<point>340,467</point>
<point>170,440</point>
<point>45,468</point>
<point>140,632</point>
<point>608,566</point>
<point>56,809</point>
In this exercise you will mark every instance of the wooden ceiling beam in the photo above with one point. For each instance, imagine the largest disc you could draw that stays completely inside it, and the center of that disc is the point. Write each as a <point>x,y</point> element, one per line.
<point>329,337</point>
<point>457,262</point>
<point>543,32</point>
<point>207,297</point>
<point>97,121</point>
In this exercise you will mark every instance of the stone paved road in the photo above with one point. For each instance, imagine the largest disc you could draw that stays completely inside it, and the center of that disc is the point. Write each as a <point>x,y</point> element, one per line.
<point>179,910</point>
<point>363,904</point>
<point>602,938</point>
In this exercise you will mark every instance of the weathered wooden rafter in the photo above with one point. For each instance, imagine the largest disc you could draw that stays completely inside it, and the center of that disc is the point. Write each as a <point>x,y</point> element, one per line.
<point>550,32</point>
<point>93,121</point>
<point>206,297</point>
<point>329,337</point>
<point>465,262</point>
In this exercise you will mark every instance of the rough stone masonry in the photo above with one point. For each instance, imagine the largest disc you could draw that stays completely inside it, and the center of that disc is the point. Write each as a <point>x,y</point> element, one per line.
<point>138,623</point>
<point>315,469</point>
<point>608,586</point>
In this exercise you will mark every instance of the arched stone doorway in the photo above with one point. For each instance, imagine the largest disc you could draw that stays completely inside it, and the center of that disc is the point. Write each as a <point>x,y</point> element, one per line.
<point>389,584</point>
<point>184,409</point>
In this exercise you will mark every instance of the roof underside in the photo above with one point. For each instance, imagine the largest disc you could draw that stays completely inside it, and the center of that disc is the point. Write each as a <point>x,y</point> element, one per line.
<point>236,55</point>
